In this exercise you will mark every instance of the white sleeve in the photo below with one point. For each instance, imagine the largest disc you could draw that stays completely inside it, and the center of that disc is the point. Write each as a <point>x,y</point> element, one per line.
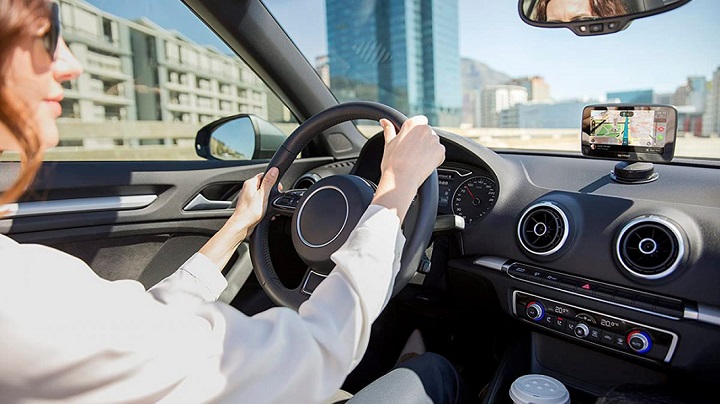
<point>78,338</point>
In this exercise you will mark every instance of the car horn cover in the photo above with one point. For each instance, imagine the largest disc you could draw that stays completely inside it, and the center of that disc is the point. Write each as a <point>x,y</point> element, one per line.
<point>327,213</point>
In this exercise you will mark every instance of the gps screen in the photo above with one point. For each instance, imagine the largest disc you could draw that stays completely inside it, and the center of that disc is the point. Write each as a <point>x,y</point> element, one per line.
<point>629,133</point>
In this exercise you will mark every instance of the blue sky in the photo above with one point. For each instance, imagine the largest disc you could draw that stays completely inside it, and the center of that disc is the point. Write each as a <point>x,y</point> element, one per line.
<point>653,53</point>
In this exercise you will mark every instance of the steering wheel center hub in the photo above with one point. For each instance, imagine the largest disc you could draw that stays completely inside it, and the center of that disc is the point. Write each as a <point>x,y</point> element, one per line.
<point>327,205</point>
<point>326,215</point>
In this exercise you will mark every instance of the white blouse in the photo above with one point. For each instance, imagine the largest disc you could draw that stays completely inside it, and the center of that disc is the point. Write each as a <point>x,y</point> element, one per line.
<point>67,335</point>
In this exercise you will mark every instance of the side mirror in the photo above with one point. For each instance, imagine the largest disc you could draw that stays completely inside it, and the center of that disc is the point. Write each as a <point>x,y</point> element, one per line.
<point>238,137</point>
<point>591,17</point>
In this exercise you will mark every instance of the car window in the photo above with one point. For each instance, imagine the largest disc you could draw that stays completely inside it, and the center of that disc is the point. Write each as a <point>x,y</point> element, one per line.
<point>153,75</point>
<point>475,68</point>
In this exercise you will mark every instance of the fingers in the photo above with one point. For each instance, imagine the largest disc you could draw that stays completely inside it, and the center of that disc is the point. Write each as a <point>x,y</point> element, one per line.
<point>388,130</point>
<point>269,179</point>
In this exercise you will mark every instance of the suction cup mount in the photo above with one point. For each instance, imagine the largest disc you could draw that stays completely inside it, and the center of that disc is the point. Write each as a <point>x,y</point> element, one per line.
<point>628,172</point>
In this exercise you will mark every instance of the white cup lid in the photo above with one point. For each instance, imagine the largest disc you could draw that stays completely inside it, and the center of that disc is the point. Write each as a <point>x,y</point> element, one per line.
<point>539,389</point>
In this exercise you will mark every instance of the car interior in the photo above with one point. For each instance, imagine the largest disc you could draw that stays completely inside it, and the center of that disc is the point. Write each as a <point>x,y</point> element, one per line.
<point>598,267</point>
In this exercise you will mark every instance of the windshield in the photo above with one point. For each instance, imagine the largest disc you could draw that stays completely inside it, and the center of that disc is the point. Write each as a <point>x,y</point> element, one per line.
<point>474,68</point>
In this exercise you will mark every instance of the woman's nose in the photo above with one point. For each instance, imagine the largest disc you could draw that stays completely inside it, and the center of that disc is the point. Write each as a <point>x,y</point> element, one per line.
<point>65,67</point>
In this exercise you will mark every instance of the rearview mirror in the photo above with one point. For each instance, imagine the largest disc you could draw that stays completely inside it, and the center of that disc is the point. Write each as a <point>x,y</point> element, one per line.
<point>238,137</point>
<point>591,17</point>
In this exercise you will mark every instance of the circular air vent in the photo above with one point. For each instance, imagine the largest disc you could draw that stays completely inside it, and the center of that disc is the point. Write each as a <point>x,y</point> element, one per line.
<point>543,229</point>
<point>650,247</point>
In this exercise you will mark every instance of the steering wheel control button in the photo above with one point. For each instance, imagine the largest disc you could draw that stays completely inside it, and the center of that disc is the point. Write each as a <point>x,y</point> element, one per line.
<point>536,388</point>
<point>535,311</point>
<point>639,341</point>
<point>312,281</point>
<point>581,330</point>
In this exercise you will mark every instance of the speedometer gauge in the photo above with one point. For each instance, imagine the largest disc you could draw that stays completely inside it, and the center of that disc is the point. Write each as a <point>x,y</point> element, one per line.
<point>474,198</point>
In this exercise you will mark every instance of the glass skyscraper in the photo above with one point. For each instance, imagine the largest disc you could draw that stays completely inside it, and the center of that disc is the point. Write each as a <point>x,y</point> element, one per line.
<point>404,53</point>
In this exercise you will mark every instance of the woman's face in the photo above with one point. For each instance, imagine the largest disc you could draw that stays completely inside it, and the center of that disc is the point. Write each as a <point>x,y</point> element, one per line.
<point>33,78</point>
<point>568,10</point>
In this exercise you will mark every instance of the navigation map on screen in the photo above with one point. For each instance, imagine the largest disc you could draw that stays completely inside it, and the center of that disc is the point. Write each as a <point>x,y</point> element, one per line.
<point>636,128</point>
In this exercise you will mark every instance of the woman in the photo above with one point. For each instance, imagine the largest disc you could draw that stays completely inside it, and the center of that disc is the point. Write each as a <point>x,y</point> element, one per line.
<point>68,335</point>
<point>577,10</point>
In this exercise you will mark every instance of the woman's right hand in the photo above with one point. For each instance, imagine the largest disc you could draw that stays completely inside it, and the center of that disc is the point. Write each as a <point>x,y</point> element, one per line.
<point>411,155</point>
<point>409,158</point>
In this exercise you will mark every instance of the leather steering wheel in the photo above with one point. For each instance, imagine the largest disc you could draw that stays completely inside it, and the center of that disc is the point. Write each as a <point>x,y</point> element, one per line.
<point>324,215</point>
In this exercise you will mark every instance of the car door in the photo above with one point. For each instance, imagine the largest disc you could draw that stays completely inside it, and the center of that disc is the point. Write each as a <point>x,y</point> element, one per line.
<point>121,192</point>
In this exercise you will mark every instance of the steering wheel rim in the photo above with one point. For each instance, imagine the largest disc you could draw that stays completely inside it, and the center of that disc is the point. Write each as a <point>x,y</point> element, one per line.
<point>418,231</point>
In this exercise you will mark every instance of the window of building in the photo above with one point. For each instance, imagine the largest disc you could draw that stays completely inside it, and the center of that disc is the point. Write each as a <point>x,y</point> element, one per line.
<point>154,88</point>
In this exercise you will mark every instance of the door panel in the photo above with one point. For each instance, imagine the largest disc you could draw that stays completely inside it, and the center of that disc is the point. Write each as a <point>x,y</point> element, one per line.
<point>146,243</point>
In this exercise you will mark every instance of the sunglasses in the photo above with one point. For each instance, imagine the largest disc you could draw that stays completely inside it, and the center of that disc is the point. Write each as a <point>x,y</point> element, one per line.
<point>51,38</point>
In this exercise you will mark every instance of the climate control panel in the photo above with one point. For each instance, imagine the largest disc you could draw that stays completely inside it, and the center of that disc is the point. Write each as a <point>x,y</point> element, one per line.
<point>595,328</point>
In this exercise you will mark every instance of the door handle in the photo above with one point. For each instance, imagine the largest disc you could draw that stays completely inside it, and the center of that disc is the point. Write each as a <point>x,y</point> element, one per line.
<point>202,203</point>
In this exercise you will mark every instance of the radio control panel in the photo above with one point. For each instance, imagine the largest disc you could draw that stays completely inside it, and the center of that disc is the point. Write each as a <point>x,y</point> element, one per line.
<point>595,328</point>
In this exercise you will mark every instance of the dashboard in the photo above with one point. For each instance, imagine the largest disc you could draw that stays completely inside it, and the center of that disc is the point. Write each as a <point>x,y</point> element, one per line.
<point>622,269</point>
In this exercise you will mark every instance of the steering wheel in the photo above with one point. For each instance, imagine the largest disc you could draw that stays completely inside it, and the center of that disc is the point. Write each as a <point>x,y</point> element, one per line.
<point>324,215</point>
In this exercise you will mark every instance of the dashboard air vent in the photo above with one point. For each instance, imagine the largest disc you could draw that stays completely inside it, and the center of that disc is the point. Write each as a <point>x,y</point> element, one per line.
<point>650,247</point>
<point>543,229</point>
<point>306,181</point>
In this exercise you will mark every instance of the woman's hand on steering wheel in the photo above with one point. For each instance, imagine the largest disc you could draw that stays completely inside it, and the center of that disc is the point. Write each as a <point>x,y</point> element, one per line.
<point>408,159</point>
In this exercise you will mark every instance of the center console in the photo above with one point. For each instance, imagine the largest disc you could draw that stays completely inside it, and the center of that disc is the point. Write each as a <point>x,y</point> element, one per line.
<point>595,328</point>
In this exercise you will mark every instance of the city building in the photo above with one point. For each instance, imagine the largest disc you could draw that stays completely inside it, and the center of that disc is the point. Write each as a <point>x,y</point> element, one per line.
<point>404,53</point>
<point>136,70</point>
<point>538,89</point>
<point>632,97</point>
<point>322,67</point>
<point>711,116</point>
<point>544,114</point>
<point>495,99</point>
<point>689,100</point>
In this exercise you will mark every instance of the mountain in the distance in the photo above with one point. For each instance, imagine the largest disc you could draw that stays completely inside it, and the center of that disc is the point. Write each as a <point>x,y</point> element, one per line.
<point>475,76</point>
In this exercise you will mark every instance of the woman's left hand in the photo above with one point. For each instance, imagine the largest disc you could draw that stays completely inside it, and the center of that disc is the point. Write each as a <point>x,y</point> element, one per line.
<point>250,209</point>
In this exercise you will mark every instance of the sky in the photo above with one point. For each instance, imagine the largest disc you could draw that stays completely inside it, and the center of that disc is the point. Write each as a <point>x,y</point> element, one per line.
<point>653,53</point>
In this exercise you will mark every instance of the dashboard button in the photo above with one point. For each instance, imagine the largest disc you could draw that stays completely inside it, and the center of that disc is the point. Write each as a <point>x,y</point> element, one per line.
<point>624,297</point>
<point>567,283</point>
<point>605,292</point>
<point>594,334</point>
<point>536,276</point>
<point>551,280</point>
<point>559,323</point>
<point>549,320</point>
<point>619,342</point>
<point>586,288</point>
<point>644,302</point>
<point>669,307</point>
<point>607,338</point>
<point>518,271</point>
<point>570,327</point>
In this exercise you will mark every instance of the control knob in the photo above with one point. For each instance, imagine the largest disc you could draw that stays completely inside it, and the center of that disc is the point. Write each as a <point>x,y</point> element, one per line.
<point>581,330</point>
<point>535,310</point>
<point>639,341</point>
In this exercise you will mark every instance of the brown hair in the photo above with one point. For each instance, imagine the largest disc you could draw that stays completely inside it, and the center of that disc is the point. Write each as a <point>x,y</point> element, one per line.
<point>600,8</point>
<point>15,18</point>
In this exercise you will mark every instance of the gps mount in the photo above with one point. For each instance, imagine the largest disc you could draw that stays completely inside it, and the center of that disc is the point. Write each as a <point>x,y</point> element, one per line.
<point>628,172</point>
